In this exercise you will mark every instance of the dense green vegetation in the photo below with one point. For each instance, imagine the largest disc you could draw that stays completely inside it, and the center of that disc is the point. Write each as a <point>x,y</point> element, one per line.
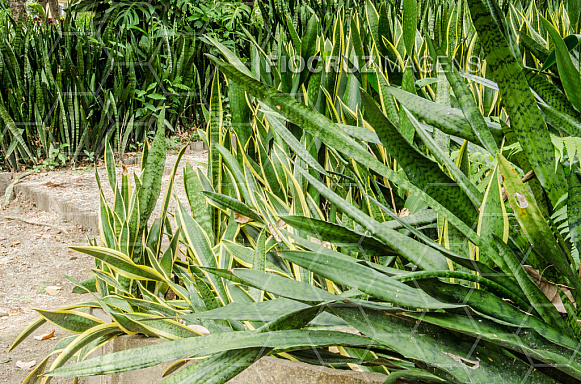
<point>416,180</point>
<point>104,72</point>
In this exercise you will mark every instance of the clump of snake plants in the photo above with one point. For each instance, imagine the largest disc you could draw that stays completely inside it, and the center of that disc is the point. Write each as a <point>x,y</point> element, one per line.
<point>431,212</point>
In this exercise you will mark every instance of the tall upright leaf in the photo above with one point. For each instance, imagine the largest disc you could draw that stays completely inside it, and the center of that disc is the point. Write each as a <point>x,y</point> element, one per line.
<point>525,117</point>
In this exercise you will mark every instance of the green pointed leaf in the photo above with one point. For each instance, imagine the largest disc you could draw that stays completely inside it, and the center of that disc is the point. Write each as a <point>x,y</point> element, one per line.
<point>466,101</point>
<point>529,342</point>
<point>346,272</point>
<point>419,254</point>
<point>283,286</point>
<point>325,130</point>
<point>199,242</point>
<point>568,73</point>
<point>536,297</point>
<point>410,22</point>
<point>235,205</point>
<point>535,226</point>
<point>69,320</point>
<point>198,205</point>
<point>493,219</point>
<point>334,233</point>
<point>121,263</point>
<point>153,172</point>
<point>461,179</point>
<point>289,139</point>
<point>448,120</point>
<point>420,170</point>
<point>202,346</point>
<point>440,348</point>
<point>574,210</point>
<point>525,117</point>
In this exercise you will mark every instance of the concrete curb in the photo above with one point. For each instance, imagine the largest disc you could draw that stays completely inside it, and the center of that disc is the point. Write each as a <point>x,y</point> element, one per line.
<point>266,370</point>
<point>50,202</point>
<point>5,180</point>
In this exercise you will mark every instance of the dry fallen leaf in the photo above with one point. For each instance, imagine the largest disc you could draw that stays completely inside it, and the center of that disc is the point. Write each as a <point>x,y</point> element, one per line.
<point>241,219</point>
<point>274,233</point>
<point>46,336</point>
<point>325,244</point>
<point>25,365</point>
<point>551,290</point>
<point>403,213</point>
<point>53,290</point>
<point>472,364</point>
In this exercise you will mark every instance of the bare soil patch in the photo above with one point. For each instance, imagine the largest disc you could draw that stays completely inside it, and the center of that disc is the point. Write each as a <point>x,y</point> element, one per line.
<point>33,261</point>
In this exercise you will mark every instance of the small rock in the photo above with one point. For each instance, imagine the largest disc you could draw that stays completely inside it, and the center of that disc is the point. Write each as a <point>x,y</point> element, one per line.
<point>25,365</point>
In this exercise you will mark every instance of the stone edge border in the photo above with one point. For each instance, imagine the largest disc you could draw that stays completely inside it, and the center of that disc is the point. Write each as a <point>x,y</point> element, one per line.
<point>49,201</point>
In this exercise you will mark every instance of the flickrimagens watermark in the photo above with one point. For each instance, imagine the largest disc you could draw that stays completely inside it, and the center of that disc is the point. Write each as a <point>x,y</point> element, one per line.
<point>426,64</point>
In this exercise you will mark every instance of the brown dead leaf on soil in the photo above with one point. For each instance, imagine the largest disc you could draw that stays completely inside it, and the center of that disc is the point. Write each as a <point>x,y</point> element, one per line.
<point>45,336</point>
<point>53,290</point>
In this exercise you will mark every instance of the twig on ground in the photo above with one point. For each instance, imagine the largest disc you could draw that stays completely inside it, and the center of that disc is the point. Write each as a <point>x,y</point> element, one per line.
<point>62,230</point>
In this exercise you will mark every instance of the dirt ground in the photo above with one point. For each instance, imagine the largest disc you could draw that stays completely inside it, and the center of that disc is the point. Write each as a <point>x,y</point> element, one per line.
<point>33,259</point>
